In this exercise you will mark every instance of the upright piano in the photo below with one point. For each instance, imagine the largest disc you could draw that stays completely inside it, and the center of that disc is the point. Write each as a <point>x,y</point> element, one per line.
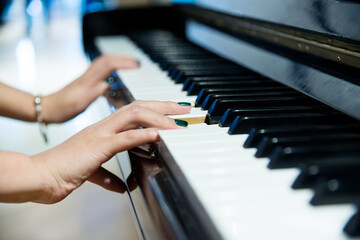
<point>273,148</point>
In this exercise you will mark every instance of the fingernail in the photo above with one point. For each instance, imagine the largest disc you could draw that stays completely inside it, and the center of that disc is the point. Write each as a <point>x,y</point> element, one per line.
<point>184,103</point>
<point>110,80</point>
<point>181,123</point>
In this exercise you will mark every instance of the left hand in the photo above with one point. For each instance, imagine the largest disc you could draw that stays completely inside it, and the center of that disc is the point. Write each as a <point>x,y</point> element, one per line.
<point>75,97</point>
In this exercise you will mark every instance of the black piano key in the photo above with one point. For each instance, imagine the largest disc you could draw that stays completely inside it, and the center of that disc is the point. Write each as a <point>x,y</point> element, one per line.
<point>182,71</point>
<point>256,134</point>
<point>176,51</point>
<point>244,125</point>
<point>196,87</point>
<point>352,227</point>
<point>229,116</point>
<point>181,77</point>
<point>171,62</point>
<point>336,154</point>
<point>206,91</point>
<point>311,174</point>
<point>164,58</point>
<point>339,190</point>
<point>268,144</point>
<point>189,81</point>
<point>180,63</point>
<point>170,50</point>
<point>219,107</point>
<point>197,65</point>
<point>210,99</point>
<point>175,61</point>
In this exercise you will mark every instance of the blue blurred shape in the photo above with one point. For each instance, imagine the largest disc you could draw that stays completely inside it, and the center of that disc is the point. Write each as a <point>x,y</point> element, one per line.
<point>183,1</point>
<point>94,6</point>
<point>34,8</point>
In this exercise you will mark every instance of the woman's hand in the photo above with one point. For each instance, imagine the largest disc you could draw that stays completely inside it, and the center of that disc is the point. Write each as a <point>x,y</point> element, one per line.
<point>68,165</point>
<point>75,97</point>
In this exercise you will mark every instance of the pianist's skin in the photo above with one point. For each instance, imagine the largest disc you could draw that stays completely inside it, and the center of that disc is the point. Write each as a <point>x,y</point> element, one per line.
<point>50,176</point>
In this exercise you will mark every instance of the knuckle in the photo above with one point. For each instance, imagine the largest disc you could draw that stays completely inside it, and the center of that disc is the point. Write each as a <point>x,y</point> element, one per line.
<point>129,135</point>
<point>170,121</point>
<point>102,58</point>
<point>135,111</point>
<point>105,60</point>
<point>149,134</point>
<point>138,103</point>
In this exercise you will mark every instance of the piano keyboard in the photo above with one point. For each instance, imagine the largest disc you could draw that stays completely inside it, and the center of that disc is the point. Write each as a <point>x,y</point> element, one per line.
<point>293,134</point>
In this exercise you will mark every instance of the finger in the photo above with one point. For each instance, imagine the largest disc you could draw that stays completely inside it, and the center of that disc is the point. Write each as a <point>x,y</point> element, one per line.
<point>163,107</point>
<point>114,62</point>
<point>129,139</point>
<point>141,117</point>
<point>103,66</point>
<point>107,180</point>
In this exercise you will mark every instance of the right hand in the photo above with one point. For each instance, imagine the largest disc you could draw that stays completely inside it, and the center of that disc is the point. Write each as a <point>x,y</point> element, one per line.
<point>68,165</point>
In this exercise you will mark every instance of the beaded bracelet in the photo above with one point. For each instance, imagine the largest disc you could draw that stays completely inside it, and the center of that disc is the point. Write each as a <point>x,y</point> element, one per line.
<point>39,118</point>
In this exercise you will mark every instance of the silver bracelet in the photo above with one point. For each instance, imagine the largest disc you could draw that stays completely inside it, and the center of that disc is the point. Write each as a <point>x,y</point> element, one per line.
<point>39,118</point>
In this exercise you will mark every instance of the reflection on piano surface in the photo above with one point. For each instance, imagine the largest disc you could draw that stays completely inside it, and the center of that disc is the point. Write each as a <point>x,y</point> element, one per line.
<point>276,157</point>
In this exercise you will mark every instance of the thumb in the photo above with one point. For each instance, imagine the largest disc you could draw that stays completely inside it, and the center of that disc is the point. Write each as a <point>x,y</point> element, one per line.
<point>107,180</point>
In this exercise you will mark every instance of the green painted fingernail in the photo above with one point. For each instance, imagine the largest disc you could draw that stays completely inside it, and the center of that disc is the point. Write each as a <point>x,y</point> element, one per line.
<point>181,123</point>
<point>184,103</point>
<point>110,80</point>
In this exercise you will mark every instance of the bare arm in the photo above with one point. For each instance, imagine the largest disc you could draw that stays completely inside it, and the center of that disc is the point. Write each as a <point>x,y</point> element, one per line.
<point>16,104</point>
<point>50,176</point>
<point>68,102</point>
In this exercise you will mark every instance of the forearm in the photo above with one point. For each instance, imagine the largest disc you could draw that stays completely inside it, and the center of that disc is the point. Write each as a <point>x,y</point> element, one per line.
<point>21,178</point>
<point>20,105</point>
<point>16,104</point>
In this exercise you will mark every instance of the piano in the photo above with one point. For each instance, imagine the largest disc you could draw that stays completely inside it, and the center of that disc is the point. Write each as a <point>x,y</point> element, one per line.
<point>273,145</point>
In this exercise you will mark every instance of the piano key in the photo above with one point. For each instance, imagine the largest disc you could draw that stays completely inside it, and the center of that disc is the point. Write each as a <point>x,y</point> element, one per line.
<point>172,63</point>
<point>210,99</point>
<point>187,83</point>
<point>206,91</point>
<point>183,68</point>
<point>245,124</point>
<point>311,174</point>
<point>196,87</point>
<point>219,107</point>
<point>268,144</point>
<point>352,227</point>
<point>181,77</point>
<point>195,116</point>
<point>255,135</point>
<point>229,116</point>
<point>338,153</point>
<point>339,190</point>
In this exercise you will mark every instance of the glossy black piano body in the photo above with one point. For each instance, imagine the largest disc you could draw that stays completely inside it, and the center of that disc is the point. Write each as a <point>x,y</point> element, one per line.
<point>311,52</point>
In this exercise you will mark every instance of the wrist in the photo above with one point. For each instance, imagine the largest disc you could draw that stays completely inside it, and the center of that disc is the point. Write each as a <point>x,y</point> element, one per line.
<point>50,187</point>
<point>53,109</point>
<point>39,117</point>
<point>21,179</point>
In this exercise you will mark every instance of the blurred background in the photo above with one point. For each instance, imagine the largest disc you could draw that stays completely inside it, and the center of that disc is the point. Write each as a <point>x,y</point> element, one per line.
<point>40,52</point>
